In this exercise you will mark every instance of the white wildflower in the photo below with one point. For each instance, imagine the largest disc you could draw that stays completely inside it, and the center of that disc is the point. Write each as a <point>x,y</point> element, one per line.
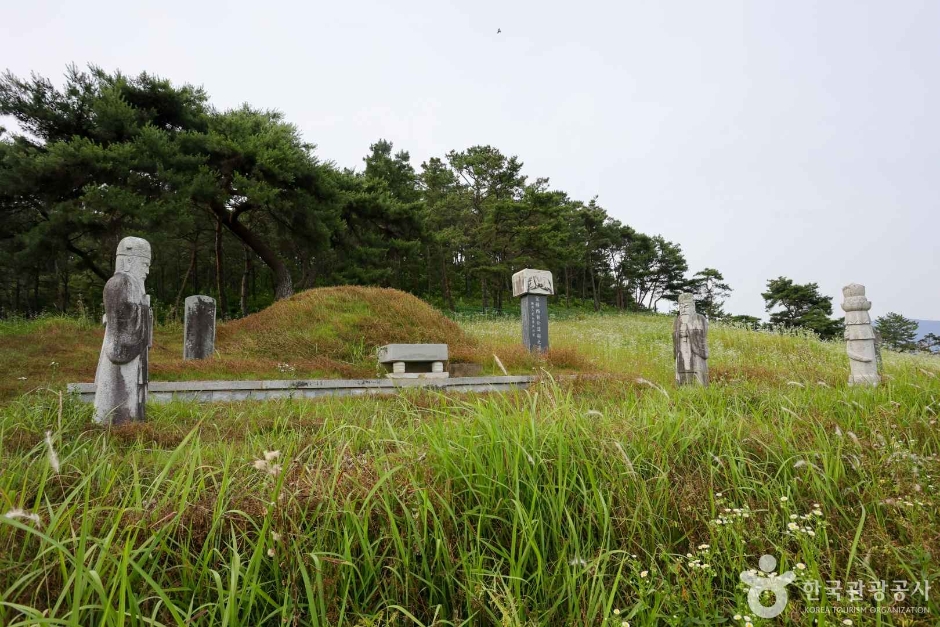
<point>50,452</point>
<point>15,514</point>
<point>270,456</point>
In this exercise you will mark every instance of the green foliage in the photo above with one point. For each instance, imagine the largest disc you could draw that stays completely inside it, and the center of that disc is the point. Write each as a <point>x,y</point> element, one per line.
<point>710,292</point>
<point>574,503</point>
<point>802,306</point>
<point>897,332</point>
<point>930,342</point>
<point>216,192</point>
<point>750,322</point>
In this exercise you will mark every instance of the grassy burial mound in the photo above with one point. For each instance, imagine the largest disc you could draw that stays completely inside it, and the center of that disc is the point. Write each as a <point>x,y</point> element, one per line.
<point>345,324</point>
<point>328,333</point>
<point>320,333</point>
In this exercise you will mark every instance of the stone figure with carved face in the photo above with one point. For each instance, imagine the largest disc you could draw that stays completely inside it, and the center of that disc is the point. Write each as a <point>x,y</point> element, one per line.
<point>690,343</point>
<point>122,376</point>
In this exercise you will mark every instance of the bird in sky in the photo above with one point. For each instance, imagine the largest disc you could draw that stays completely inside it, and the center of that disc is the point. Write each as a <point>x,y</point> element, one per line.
<point>499,30</point>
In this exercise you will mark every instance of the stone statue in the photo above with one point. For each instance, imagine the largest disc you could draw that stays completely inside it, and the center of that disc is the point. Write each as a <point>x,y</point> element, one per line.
<point>122,377</point>
<point>690,343</point>
<point>859,336</point>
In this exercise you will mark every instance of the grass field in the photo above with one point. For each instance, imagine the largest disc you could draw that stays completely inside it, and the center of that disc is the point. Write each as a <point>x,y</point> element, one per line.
<point>599,501</point>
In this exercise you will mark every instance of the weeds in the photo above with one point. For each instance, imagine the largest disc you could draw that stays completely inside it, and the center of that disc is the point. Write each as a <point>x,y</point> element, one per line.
<point>592,502</point>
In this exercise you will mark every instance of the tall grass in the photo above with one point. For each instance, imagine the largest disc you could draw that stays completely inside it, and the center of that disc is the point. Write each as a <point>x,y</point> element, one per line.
<point>590,502</point>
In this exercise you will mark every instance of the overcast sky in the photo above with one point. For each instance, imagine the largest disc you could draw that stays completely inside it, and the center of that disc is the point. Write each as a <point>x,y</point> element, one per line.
<point>767,138</point>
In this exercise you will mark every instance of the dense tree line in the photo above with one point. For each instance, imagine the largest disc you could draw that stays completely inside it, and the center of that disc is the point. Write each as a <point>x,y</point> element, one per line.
<point>238,206</point>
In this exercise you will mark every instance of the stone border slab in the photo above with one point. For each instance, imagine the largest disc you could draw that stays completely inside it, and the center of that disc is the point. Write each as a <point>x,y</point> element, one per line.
<point>222,391</point>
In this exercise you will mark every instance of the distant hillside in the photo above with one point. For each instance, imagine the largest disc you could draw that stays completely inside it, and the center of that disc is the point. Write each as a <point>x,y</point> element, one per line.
<point>927,326</point>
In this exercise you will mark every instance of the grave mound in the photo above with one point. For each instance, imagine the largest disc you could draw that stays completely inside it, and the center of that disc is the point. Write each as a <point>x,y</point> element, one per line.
<point>343,323</point>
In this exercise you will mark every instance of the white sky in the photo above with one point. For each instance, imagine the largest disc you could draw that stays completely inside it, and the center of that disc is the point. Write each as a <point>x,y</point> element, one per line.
<point>767,138</point>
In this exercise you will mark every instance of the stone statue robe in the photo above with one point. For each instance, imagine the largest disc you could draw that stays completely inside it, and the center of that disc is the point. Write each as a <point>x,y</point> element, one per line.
<point>690,346</point>
<point>122,374</point>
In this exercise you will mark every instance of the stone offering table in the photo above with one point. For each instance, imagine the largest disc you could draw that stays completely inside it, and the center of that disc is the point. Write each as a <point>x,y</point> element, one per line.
<point>414,361</point>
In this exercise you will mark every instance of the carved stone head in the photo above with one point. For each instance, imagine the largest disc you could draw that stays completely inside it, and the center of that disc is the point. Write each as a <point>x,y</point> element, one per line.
<point>686,304</point>
<point>133,257</point>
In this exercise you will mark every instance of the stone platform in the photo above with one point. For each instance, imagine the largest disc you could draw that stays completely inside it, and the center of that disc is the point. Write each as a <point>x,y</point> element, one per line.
<point>226,391</point>
<point>414,361</point>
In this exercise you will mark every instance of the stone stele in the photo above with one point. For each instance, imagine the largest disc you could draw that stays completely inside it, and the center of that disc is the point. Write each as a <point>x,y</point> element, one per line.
<point>534,286</point>
<point>122,376</point>
<point>199,327</point>
<point>690,343</point>
<point>859,337</point>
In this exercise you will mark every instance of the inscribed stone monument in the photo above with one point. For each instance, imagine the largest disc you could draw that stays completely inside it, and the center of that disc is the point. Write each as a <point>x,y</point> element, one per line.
<point>122,376</point>
<point>199,327</point>
<point>690,343</point>
<point>859,336</point>
<point>534,286</point>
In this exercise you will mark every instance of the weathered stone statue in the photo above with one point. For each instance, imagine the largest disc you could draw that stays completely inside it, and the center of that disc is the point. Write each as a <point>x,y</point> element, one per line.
<point>690,343</point>
<point>121,379</point>
<point>859,336</point>
<point>199,327</point>
<point>534,286</point>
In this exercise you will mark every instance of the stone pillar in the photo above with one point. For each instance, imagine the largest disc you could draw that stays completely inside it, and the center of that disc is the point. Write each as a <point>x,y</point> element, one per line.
<point>534,286</point>
<point>199,327</point>
<point>690,343</point>
<point>859,337</point>
<point>122,377</point>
